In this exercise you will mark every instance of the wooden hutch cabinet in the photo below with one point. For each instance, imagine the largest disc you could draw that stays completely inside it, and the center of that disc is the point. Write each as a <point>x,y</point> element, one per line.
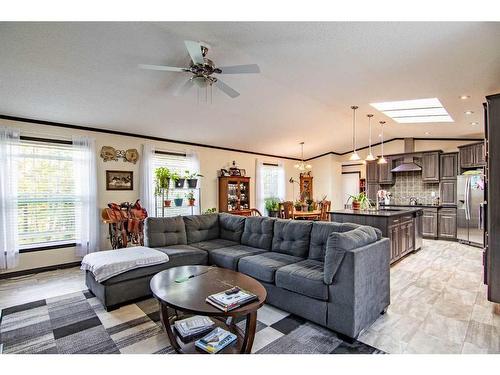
<point>234,195</point>
<point>306,186</point>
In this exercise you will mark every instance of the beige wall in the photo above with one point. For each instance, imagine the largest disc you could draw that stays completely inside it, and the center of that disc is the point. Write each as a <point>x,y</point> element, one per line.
<point>211,160</point>
<point>327,172</point>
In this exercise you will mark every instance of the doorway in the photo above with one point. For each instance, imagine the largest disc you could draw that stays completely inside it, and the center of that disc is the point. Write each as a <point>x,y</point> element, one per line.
<point>350,184</point>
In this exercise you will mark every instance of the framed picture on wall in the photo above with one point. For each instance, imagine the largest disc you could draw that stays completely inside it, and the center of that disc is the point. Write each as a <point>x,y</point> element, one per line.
<point>119,180</point>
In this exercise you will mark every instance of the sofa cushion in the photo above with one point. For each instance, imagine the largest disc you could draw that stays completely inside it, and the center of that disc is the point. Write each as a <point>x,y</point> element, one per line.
<point>231,226</point>
<point>305,277</point>
<point>292,237</point>
<point>164,231</point>
<point>178,255</point>
<point>339,243</point>
<point>201,227</point>
<point>213,244</point>
<point>319,236</point>
<point>264,266</point>
<point>258,232</point>
<point>228,257</point>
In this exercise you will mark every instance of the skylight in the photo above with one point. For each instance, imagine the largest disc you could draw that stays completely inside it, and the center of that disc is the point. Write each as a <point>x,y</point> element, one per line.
<point>414,111</point>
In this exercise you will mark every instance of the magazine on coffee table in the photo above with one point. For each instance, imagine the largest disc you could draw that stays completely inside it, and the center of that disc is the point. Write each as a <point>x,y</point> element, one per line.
<point>216,340</point>
<point>231,299</point>
<point>193,326</point>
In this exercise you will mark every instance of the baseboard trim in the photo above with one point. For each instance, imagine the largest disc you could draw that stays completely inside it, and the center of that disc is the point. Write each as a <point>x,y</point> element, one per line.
<point>31,271</point>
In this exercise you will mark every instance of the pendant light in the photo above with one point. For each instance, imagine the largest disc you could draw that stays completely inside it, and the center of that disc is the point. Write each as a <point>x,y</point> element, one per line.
<point>370,156</point>
<point>382,160</point>
<point>354,155</point>
<point>302,166</point>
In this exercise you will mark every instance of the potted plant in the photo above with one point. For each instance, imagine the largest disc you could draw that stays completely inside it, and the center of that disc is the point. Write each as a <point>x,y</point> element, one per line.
<point>272,206</point>
<point>192,179</point>
<point>178,201</point>
<point>162,184</point>
<point>190,198</point>
<point>209,211</point>
<point>309,202</point>
<point>297,205</point>
<point>178,180</point>
<point>359,201</point>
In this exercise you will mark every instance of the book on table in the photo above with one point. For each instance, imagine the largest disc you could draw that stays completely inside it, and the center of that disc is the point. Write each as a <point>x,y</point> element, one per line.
<point>193,326</point>
<point>216,340</point>
<point>231,299</point>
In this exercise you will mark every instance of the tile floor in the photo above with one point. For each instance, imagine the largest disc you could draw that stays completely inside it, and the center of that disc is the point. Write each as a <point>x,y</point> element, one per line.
<point>438,302</point>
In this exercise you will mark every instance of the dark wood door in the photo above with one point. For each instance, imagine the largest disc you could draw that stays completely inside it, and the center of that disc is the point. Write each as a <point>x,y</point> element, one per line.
<point>394,237</point>
<point>447,223</point>
<point>429,223</point>
<point>371,171</point>
<point>448,192</point>
<point>449,166</point>
<point>385,176</point>
<point>430,167</point>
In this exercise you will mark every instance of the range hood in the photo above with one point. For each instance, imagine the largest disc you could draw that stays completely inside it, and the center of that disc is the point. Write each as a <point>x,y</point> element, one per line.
<point>409,164</point>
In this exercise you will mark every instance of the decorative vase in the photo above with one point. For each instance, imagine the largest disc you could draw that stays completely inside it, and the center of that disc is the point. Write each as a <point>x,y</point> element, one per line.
<point>179,183</point>
<point>356,205</point>
<point>192,183</point>
<point>191,201</point>
<point>167,203</point>
<point>178,201</point>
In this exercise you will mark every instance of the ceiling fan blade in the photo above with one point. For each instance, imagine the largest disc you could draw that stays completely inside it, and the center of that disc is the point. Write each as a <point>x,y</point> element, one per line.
<point>240,69</point>
<point>226,89</point>
<point>163,67</point>
<point>194,49</point>
<point>181,90</point>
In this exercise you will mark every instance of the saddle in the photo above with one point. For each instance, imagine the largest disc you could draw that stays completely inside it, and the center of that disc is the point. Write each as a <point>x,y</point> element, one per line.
<point>127,218</point>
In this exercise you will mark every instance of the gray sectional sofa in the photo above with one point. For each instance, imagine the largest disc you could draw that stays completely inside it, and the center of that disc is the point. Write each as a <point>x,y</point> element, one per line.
<point>336,275</point>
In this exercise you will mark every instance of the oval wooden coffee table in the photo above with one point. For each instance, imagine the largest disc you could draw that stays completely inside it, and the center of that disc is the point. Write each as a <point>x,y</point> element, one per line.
<point>189,297</point>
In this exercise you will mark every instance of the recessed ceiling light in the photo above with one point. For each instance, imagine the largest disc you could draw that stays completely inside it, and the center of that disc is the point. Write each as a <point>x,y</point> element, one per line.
<point>414,111</point>
<point>427,133</point>
<point>469,112</point>
<point>474,123</point>
<point>464,97</point>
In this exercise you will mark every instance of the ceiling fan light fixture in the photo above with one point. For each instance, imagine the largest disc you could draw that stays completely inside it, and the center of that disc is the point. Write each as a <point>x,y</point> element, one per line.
<point>200,81</point>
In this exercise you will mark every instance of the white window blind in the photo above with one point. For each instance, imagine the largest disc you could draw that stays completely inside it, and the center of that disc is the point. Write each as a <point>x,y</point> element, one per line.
<point>271,182</point>
<point>46,194</point>
<point>177,163</point>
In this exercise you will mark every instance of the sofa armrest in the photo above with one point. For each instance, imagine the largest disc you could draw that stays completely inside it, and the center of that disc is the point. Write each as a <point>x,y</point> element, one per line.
<point>361,288</point>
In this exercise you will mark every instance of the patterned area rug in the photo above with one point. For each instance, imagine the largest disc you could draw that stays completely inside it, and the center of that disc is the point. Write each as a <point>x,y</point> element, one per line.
<point>77,323</point>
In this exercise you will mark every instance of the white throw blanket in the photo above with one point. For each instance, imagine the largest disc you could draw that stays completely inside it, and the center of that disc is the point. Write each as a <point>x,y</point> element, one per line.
<point>109,263</point>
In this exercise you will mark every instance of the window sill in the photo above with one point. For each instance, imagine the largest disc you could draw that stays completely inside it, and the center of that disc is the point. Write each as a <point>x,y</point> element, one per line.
<point>47,247</point>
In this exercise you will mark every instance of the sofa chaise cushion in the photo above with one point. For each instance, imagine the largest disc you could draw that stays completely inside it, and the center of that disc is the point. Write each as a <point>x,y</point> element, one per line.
<point>263,266</point>
<point>201,227</point>
<point>258,232</point>
<point>292,237</point>
<point>211,245</point>
<point>319,236</point>
<point>339,243</point>
<point>231,226</point>
<point>164,231</point>
<point>304,277</point>
<point>228,257</point>
<point>183,255</point>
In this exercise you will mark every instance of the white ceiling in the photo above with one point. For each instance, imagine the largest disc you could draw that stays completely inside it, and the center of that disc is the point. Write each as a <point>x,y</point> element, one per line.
<point>86,74</point>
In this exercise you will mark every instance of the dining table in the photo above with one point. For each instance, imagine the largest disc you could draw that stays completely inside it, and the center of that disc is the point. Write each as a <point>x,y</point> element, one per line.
<point>307,215</point>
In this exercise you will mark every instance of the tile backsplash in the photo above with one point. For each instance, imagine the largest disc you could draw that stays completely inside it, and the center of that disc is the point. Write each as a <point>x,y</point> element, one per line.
<point>409,184</point>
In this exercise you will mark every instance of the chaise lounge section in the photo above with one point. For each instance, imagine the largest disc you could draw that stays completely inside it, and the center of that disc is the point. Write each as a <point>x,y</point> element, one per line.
<point>334,274</point>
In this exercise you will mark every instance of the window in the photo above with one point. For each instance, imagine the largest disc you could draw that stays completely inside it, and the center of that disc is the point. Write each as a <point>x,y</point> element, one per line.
<point>46,194</point>
<point>179,163</point>
<point>270,183</point>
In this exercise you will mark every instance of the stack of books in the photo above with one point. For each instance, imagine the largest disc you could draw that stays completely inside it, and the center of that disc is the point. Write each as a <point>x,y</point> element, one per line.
<point>216,340</point>
<point>193,326</point>
<point>231,299</point>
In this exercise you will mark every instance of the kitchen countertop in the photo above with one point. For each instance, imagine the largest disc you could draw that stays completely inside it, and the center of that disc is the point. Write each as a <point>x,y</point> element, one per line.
<point>378,213</point>
<point>420,205</point>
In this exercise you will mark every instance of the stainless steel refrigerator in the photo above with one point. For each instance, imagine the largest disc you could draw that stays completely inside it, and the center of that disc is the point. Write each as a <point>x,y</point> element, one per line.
<point>470,208</point>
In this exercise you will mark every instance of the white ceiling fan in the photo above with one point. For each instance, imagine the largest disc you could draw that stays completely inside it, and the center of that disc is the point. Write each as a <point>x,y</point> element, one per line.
<point>202,70</point>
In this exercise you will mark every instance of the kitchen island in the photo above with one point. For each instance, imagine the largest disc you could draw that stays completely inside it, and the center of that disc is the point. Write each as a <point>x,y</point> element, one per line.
<point>403,226</point>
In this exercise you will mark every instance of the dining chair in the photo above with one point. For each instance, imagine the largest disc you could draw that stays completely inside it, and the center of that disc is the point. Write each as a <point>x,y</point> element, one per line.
<point>288,210</point>
<point>325,207</point>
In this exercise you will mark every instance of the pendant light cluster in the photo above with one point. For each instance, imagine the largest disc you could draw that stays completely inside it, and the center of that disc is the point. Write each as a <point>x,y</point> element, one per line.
<point>302,166</point>
<point>370,157</point>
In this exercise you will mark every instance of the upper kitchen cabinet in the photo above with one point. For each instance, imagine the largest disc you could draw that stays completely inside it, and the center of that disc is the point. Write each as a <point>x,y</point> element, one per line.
<point>371,172</point>
<point>385,176</point>
<point>430,166</point>
<point>472,155</point>
<point>449,166</point>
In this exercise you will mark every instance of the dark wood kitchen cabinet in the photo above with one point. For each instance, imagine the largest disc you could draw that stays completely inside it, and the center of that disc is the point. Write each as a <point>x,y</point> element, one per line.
<point>430,223</point>
<point>449,166</point>
<point>480,154</point>
<point>447,218</point>
<point>395,239</point>
<point>472,155</point>
<point>385,176</point>
<point>448,192</point>
<point>371,171</point>
<point>430,166</point>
